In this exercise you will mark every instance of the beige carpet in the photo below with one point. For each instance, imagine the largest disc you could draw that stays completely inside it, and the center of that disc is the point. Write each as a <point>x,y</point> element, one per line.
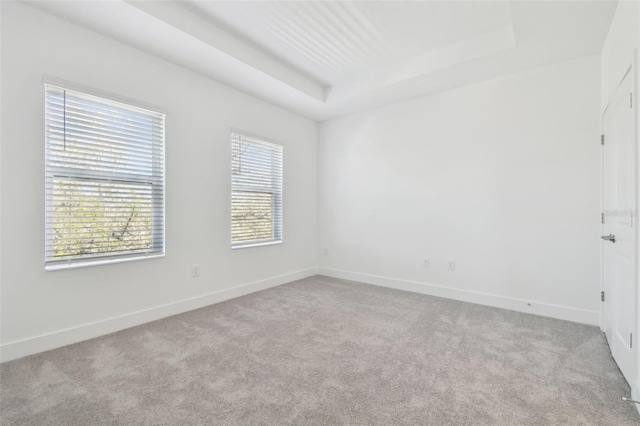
<point>326,351</point>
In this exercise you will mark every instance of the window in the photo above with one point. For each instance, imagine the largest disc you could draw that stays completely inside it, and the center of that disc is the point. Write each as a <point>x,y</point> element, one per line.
<point>256,192</point>
<point>104,180</point>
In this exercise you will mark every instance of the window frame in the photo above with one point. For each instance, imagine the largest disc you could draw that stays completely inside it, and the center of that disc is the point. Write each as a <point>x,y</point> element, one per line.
<point>279,239</point>
<point>51,264</point>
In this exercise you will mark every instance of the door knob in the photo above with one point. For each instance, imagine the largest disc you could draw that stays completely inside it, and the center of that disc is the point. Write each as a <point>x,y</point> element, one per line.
<point>609,237</point>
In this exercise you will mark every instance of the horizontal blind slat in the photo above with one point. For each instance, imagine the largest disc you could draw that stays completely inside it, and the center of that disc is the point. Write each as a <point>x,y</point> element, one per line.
<point>101,104</point>
<point>256,191</point>
<point>82,147</point>
<point>104,178</point>
<point>60,116</point>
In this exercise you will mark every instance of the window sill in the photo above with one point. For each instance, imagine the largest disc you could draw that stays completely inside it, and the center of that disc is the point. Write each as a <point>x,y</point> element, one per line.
<point>98,262</point>
<point>248,245</point>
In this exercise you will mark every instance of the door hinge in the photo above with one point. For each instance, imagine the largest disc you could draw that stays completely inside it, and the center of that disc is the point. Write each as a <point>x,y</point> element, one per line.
<point>601,139</point>
<point>602,296</point>
<point>601,217</point>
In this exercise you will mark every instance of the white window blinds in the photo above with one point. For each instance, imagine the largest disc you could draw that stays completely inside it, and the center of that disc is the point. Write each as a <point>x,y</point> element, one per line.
<point>104,179</point>
<point>256,192</point>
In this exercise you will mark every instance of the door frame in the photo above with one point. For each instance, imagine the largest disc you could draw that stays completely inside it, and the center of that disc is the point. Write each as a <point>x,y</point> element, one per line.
<point>635,84</point>
<point>632,70</point>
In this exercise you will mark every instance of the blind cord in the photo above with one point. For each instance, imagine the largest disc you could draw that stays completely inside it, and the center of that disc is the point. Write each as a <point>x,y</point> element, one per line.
<point>240,156</point>
<point>64,120</point>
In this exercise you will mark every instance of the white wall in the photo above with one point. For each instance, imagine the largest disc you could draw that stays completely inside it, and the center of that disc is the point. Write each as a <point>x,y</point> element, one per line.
<point>502,176</point>
<point>42,309</point>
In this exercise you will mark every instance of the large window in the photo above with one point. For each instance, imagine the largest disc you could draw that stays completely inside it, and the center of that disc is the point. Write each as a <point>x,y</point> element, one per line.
<point>104,180</point>
<point>256,191</point>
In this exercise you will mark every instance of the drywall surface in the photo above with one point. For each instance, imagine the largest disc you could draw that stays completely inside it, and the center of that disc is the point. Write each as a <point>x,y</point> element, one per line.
<point>45,309</point>
<point>618,50</point>
<point>502,177</point>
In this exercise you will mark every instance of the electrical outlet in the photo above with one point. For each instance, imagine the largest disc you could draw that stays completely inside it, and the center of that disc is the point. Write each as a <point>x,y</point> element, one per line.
<point>451,265</point>
<point>195,271</point>
<point>426,263</point>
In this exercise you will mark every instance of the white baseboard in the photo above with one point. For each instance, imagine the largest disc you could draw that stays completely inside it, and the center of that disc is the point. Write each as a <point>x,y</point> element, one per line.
<point>635,391</point>
<point>21,348</point>
<point>530,307</point>
<point>45,342</point>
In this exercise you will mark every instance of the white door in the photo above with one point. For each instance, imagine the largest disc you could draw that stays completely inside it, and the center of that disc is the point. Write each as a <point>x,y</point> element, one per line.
<point>618,229</point>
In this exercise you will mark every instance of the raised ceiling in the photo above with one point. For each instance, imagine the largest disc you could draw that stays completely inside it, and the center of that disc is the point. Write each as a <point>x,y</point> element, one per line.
<point>336,41</point>
<point>324,59</point>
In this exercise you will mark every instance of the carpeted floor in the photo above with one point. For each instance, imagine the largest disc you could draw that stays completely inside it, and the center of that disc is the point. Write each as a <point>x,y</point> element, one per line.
<point>326,351</point>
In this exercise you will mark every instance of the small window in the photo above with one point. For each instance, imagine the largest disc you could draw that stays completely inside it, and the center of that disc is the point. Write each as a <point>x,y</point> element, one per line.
<point>104,180</point>
<point>256,192</point>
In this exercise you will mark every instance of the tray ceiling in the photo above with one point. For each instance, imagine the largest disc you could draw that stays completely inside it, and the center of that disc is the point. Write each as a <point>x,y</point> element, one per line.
<point>335,41</point>
<point>328,58</point>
